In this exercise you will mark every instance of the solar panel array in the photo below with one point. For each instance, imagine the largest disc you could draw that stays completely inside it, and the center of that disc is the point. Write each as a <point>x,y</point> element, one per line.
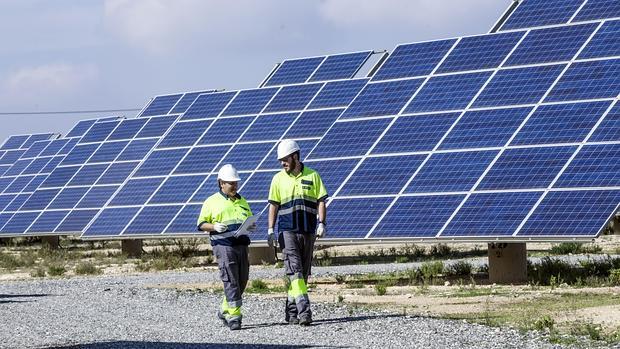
<point>503,136</point>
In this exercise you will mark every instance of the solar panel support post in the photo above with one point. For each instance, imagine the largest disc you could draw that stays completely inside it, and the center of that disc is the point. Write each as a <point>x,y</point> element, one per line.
<point>615,224</point>
<point>132,248</point>
<point>260,255</point>
<point>50,242</point>
<point>507,263</point>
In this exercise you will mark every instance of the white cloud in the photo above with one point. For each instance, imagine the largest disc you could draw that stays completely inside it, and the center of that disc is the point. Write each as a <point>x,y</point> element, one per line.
<point>30,85</point>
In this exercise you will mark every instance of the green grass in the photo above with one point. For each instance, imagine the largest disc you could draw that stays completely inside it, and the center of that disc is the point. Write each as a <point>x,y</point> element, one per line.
<point>87,268</point>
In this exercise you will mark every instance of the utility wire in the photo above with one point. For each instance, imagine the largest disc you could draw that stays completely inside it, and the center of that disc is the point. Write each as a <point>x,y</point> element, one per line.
<point>68,112</point>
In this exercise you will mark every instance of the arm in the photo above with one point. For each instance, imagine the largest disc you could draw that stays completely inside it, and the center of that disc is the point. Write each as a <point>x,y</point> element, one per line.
<point>322,212</point>
<point>273,212</point>
<point>208,227</point>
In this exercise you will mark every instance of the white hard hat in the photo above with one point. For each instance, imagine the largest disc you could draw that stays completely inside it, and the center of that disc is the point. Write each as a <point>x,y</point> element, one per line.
<point>286,148</point>
<point>228,173</point>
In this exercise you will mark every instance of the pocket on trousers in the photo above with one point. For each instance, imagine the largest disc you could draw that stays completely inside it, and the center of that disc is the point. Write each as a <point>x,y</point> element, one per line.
<point>224,275</point>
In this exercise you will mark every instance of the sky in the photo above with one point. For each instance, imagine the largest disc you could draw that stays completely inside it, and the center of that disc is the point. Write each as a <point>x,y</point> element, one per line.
<point>69,55</point>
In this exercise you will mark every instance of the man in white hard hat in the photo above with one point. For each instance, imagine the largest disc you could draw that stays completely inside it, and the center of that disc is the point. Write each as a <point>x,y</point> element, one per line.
<point>222,214</point>
<point>296,196</point>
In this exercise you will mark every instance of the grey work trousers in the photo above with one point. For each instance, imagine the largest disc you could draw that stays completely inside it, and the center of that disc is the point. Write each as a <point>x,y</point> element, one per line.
<point>297,249</point>
<point>234,271</point>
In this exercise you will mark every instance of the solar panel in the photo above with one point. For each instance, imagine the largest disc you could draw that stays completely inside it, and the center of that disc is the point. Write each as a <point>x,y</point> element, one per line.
<point>342,66</point>
<point>534,13</point>
<point>294,71</point>
<point>598,9</point>
<point>161,105</point>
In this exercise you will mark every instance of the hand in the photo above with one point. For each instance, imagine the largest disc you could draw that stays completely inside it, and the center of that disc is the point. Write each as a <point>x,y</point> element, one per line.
<point>252,228</point>
<point>219,227</point>
<point>272,240</point>
<point>321,230</point>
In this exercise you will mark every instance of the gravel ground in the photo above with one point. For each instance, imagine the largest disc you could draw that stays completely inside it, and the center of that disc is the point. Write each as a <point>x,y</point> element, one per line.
<point>120,312</point>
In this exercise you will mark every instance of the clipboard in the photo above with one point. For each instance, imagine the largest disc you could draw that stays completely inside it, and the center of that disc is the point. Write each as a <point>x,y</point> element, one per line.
<point>243,229</point>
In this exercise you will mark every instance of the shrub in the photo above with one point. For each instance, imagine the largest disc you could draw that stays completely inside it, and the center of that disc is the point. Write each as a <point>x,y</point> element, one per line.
<point>258,284</point>
<point>542,272</point>
<point>56,270</point>
<point>614,277</point>
<point>87,268</point>
<point>37,273</point>
<point>430,270</point>
<point>440,250</point>
<point>9,261</point>
<point>574,248</point>
<point>381,289</point>
<point>460,268</point>
<point>545,322</point>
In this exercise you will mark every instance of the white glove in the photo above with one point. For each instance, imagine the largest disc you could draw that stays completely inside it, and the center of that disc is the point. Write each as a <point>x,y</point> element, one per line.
<point>272,240</point>
<point>252,228</point>
<point>321,230</point>
<point>220,227</point>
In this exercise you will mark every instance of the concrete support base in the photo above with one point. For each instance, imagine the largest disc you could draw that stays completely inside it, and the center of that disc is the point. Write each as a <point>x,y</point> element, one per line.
<point>507,263</point>
<point>261,255</point>
<point>615,224</point>
<point>51,242</point>
<point>132,248</point>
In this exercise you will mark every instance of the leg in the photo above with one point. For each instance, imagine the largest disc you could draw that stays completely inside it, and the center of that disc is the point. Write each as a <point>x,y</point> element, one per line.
<point>298,292</point>
<point>287,243</point>
<point>229,274</point>
<point>307,249</point>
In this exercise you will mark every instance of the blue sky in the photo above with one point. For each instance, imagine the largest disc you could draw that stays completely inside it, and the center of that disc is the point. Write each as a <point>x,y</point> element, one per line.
<point>116,54</point>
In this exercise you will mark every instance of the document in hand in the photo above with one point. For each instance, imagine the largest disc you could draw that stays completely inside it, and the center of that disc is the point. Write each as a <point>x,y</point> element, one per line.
<point>243,229</point>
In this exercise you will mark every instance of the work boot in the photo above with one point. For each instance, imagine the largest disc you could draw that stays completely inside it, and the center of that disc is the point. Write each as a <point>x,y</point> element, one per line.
<point>305,320</point>
<point>222,317</point>
<point>291,320</point>
<point>234,325</point>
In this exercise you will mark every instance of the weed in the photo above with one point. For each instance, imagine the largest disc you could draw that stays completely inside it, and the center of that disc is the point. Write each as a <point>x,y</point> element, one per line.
<point>340,279</point>
<point>460,268</point>
<point>544,323</point>
<point>430,270</point>
<point>37,273</point>
<point>87,268</point>
<point>588,329</point>
<point>381,289</point>
<point>324,262</point>
<point>440,250</point>
<point>355,285</point>
<point>187,247</point>
<point>614,277</point>
<point>340,298</point>
<point>259,284</point>
<point>56,270</point>
<point>542,272</point>
<point>574,248</point>
<point>9,261</point>
<point>402,259</point>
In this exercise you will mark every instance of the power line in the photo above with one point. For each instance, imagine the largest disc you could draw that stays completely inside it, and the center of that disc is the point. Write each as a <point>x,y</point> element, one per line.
<point>68,112</point>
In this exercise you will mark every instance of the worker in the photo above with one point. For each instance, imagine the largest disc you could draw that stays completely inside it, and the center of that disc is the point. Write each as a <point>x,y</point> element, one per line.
<point>222,214</point>
<point>296,195</point>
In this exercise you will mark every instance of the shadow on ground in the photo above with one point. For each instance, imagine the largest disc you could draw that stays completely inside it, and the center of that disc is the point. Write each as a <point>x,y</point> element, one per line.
<point>14,298</point>
<point>174,345</point>
<point>325,321</point>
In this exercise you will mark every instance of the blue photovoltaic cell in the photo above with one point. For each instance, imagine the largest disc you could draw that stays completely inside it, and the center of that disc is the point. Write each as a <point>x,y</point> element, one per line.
<point>333,172</point>
<point>68,198</point>
<point>88,175</point>
<point>17,202</point>
<point>609,129</point>
<point>186,101</point>
<point>19,222</point>
<point>111,221</point>
<point>594,166</point>
<point>71,143</point>
<point>485,128</point>
<point>161,105</point>
<point>349,138</point>
<point>421,132</point>
<point>337,93</point>
<point>152,220</point>
<point>451,172</point>
<point>342,66</point>
<point>37,149</point>
<point>137,149</point>
<point>36,138</point>
<point>480,52</point>
<point>80,154</point>
<point>55,161</point>
<point>156,127</point>
<point>518,86</point>
<point>605,42</point>
<point>413,59</point>
<point>560,123</point>
<point>80,128</point>
<point>382,175</point>
<point>269,127</point>
<point>249,102</point>
<point>127,129</point>
<point>184,134</point>
<point>34,183</point>
<point>18,184</point>
<point>108,151</point>
<point>417,216</point>
<point>533,13</point>
<point>209,105</point>
<point>599,9</point>
<point>54,147</point>
<point>18,167</point>
<point>449,92</point>
<point>385,98</point>
<point>76,221</point>
<point>201,160</point>
<point>14,142</point>
<point>313,123</point>
<point>226,130</point>
<point>136,191</point>
<point>11,156</point>
<point>572,213</point>
<point>588,80</point>
<point>271,161</point>
<point>186,220</point>
<point>60,177</point>
<point>4,217</point>
<point>5,200</point>
<point>97,196</point>
<point>257,187</point>
<point>551,44</point>
<point>117,173</point>
<point>247,156</point>
<point>491,214</point>
<point>40,199</point>
<point>99,132</point>
<point>353,218</point>
<point>47,221</point>
<point>3,169</point>
<point>177,189</point>
<point>4,182</point>
<point>524,168</point>
<point>160,163</point>
<point>294,71</point>
<point>293,98</point>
